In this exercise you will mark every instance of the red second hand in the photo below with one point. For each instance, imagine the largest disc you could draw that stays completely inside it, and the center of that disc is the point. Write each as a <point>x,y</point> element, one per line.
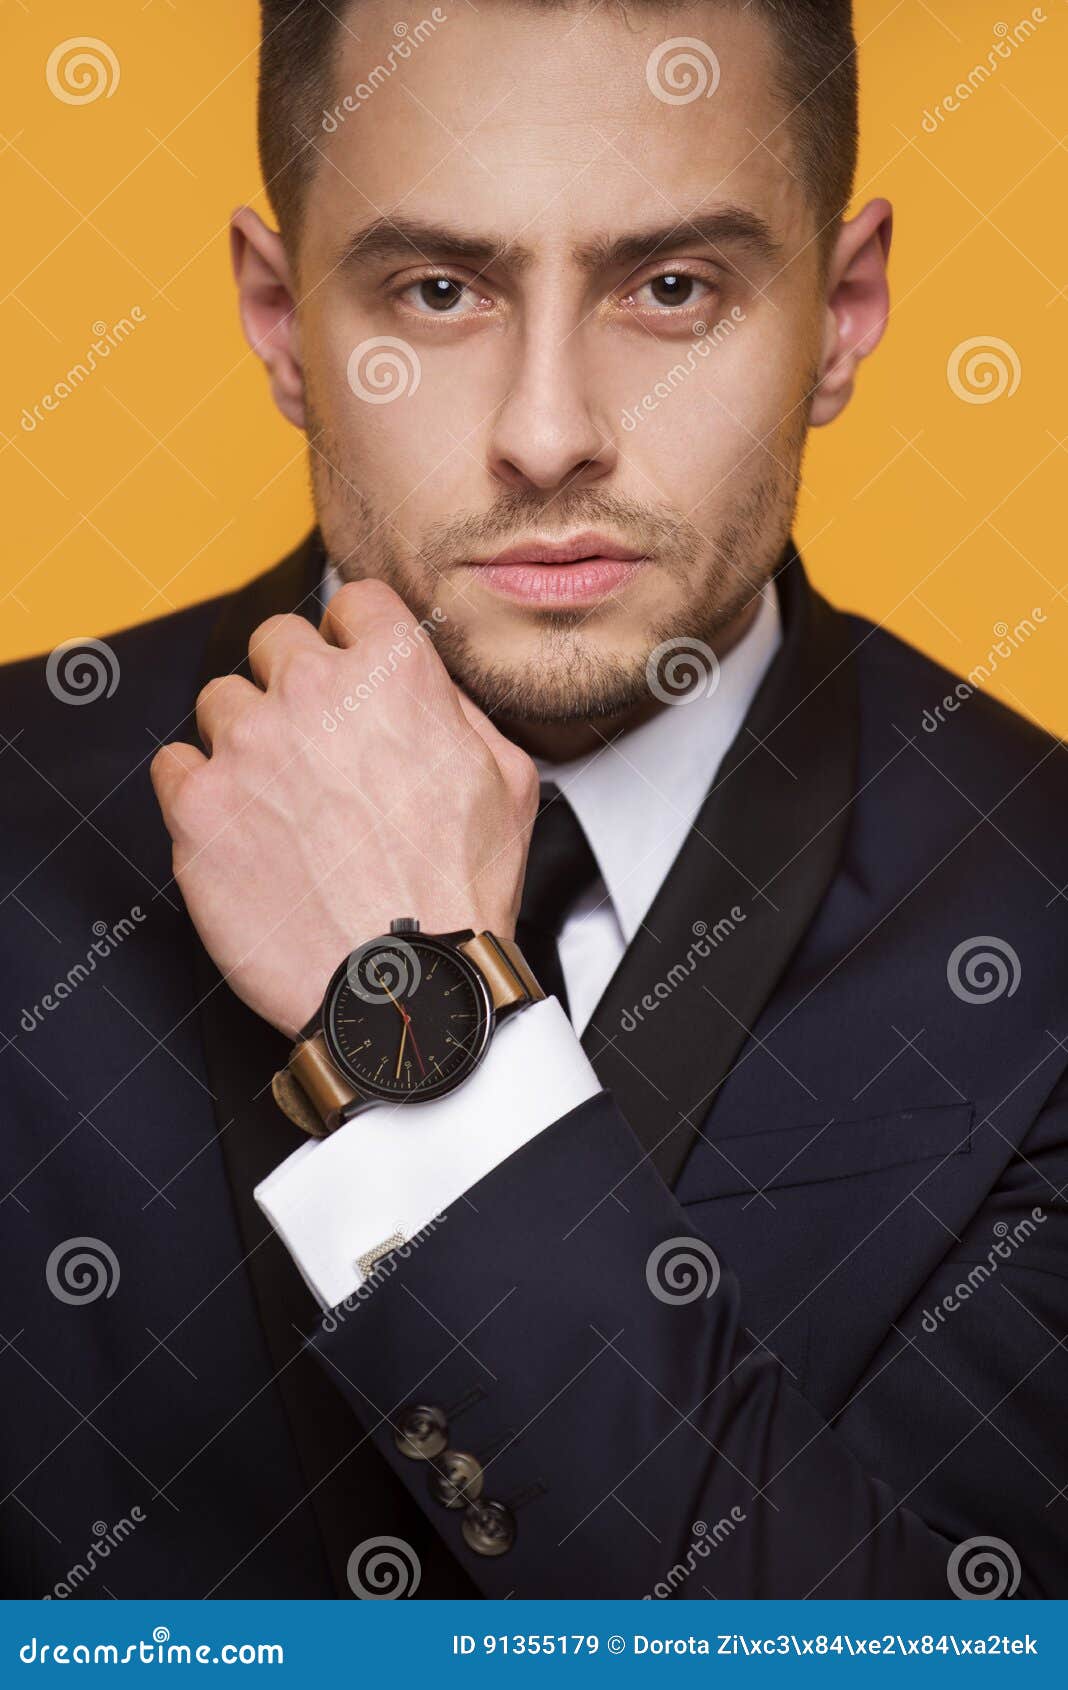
<point>411,1035</point>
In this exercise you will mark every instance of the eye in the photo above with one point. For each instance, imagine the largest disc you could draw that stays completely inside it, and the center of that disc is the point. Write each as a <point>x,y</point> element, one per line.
<point>672,289</point>
<point>440,296</point>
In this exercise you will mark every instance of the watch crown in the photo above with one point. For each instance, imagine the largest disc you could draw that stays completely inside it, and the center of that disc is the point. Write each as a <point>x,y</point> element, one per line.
<point>404,924</point>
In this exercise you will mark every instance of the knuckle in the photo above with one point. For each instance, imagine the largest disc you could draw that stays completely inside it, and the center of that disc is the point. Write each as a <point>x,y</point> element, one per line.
<point>371,600</point>
<point>521,776</point>
<point>274,625</point>
<point>158,771</point>
<point>235,712</point>
<point>303,674</point>
<point>240,732</point>
<point>206,694</point>
<point>193,805</point>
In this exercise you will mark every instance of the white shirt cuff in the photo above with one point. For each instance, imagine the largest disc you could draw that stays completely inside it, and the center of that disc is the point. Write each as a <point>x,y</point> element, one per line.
<point>391,1171</point>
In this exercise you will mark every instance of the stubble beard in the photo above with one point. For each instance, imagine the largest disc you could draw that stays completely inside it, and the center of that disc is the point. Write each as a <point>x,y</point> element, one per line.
<point>572,676</point>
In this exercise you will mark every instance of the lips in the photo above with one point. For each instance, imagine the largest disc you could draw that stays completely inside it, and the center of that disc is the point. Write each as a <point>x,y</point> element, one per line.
<point>580,549</point>
<point>580,570</point>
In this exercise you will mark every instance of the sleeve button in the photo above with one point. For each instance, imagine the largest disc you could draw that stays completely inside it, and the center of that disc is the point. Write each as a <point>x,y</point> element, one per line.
<point>421,1432</point>
<point>489,1528</point>
<point>456,1479</point>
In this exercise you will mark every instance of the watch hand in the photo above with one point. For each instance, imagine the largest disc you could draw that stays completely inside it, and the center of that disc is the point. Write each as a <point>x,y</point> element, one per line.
<point>398,1007</point>
<point>406,1018</point>
<point>400,1053</point>
<point>415,1047</point>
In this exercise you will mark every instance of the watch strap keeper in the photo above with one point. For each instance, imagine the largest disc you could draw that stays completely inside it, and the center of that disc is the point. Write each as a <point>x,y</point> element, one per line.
<point>505,970</point>
<point>311,1091</point>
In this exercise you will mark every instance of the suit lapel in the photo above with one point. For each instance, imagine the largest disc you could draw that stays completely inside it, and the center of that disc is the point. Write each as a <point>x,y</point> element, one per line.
<point>350,1488</point>
<point>766,843</point>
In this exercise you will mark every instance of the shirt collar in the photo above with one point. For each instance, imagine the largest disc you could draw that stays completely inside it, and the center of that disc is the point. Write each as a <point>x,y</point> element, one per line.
<point>638,796</point>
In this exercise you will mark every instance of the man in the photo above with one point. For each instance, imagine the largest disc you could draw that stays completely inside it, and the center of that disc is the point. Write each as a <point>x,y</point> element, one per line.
<point>725,1254</point>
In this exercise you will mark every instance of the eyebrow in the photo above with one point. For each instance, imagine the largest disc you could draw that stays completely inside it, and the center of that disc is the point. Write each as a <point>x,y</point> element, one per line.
<point>405,237</point>
<point>730,227</point>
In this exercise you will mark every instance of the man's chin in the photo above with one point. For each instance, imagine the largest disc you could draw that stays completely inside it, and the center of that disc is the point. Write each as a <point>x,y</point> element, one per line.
<point>573,686</point>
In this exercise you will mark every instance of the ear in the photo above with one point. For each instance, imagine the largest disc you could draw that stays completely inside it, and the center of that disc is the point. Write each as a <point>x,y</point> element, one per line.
<point>858,303</point>
<point>268,310</point>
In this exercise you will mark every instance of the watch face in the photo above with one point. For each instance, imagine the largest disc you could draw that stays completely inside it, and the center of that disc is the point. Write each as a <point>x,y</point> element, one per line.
<point>407,1019</point>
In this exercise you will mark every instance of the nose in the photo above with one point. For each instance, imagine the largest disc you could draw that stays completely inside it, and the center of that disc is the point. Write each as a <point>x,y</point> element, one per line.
<point>546,434</point>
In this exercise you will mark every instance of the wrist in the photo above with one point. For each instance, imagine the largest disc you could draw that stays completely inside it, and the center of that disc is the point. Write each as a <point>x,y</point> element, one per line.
<point>305,992</point>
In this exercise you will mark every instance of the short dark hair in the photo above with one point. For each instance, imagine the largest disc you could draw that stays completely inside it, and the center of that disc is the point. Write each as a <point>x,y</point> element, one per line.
<point>816,79</point>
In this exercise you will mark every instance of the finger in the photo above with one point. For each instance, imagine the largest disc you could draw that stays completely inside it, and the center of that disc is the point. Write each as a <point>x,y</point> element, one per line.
<point>221,702</point>
<point>518,769</point>
<point>170,768</point>
<point>275,639</point>
<point>481,723</point>
<point>358,607</point>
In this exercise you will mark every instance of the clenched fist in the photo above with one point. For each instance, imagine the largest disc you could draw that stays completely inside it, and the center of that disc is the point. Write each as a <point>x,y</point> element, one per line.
<point>353,784</point>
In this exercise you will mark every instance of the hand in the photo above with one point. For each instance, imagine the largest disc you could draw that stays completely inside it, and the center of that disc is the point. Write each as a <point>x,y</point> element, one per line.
<point>353,784</point>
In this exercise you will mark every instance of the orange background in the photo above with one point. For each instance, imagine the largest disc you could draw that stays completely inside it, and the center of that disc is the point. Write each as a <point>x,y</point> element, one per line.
<point>167,476</point>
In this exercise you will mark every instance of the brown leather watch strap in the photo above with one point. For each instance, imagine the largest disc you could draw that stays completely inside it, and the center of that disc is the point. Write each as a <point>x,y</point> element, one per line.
<point>505,970</point>
<point>310,1090</point>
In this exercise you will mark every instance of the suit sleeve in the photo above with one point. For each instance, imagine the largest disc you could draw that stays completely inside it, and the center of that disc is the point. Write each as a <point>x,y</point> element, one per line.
<point>565,1361</point>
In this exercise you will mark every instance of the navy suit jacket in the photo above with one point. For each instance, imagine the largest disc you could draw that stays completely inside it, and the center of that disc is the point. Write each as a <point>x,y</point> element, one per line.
<point>781,1312</point>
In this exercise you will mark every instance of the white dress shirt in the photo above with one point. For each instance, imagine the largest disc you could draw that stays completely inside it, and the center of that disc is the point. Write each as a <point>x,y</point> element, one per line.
<point>395,1169</point>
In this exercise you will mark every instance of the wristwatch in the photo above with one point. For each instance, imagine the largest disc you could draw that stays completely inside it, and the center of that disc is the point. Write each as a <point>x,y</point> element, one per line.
<point>407,1017</point>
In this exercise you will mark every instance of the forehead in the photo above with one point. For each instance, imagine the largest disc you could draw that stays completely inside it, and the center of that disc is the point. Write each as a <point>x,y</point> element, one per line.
<point>552,124</point>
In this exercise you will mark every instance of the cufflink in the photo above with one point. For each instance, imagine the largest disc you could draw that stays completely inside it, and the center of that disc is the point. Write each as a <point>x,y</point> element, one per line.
<point>369,1260</point>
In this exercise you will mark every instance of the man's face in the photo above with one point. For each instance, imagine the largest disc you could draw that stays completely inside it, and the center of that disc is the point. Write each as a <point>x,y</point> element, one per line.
<point>549,313</point>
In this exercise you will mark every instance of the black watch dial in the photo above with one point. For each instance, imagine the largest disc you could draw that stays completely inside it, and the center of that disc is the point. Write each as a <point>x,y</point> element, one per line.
<point>407,1019</point>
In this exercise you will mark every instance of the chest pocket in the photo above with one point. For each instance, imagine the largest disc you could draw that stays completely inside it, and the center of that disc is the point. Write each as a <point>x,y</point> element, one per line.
<point>817,1152</point>
<point>790,1211</point>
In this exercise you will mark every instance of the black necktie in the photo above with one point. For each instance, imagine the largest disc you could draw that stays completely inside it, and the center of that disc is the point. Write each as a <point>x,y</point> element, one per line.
<point>560,868</point>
